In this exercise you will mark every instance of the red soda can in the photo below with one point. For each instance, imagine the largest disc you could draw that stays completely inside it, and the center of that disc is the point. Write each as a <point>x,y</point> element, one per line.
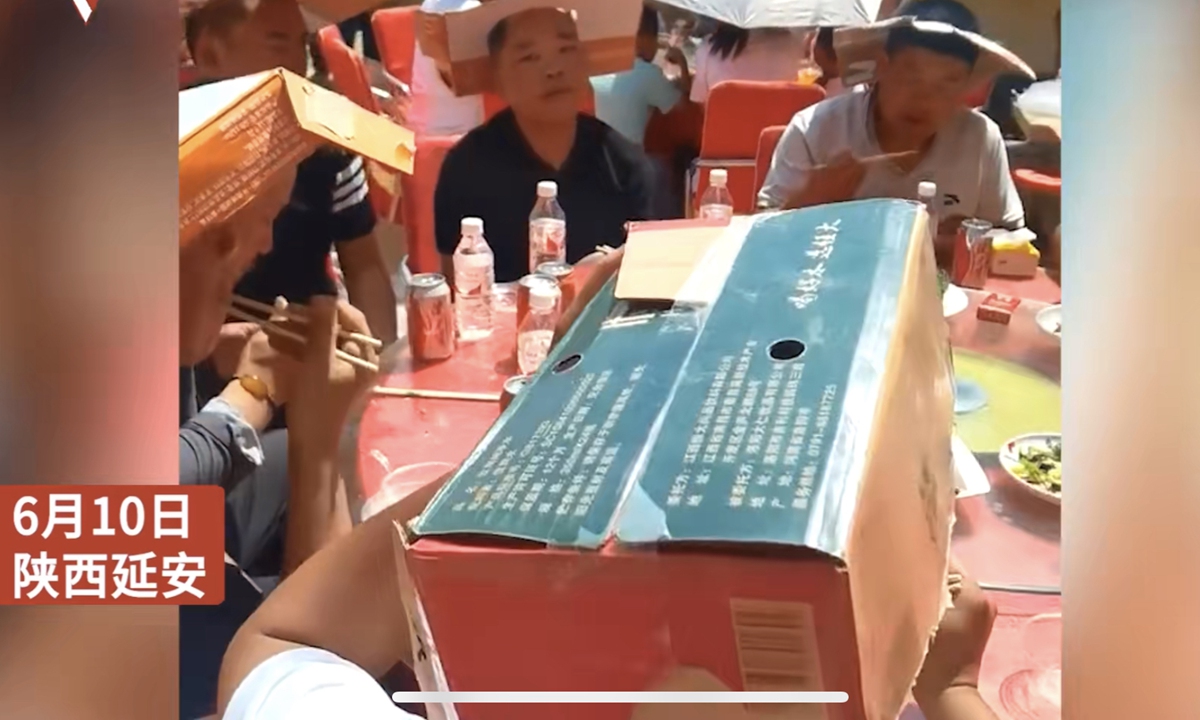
<point>972,254</point>
<point>512,388</point>
<point>561,272</point>
<point>523,286</point>
<point>431,332</point>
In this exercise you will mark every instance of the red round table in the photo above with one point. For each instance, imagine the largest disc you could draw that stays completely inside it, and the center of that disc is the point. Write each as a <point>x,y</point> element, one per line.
<point>1011,547</point>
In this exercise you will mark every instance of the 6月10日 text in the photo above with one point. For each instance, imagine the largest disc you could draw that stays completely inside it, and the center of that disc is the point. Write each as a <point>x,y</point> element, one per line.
<point>112,544</point>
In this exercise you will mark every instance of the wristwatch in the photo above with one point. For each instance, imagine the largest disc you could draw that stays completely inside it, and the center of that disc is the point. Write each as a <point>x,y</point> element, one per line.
<point>258,389</point>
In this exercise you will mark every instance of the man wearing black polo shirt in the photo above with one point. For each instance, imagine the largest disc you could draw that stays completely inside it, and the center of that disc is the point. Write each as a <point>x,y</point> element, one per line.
<point>492,173</point>
<point>329,205</point>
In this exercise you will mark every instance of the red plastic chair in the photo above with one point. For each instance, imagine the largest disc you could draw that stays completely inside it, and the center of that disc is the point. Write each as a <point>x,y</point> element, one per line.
<point>396,35</point>
<point>1036,182</point>
<point>493,104</point>
<point>767,140</point>
<point>349,75</point>
<point>736,114</point>
<point>416,192</point>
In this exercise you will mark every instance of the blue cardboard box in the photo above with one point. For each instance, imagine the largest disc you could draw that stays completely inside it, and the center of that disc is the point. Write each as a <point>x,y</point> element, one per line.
<point>751,481</point>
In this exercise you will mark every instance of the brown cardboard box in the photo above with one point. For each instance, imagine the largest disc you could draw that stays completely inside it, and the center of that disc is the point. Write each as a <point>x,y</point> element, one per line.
<point>457,40</point>
<point>235,135</point>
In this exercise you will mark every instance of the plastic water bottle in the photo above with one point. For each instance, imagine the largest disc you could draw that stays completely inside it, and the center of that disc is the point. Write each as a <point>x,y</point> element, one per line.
<point>547,227</point>
<point>717,203</point>
<point>474,275</point>
<point>927,195</point>
<point>537,329</point>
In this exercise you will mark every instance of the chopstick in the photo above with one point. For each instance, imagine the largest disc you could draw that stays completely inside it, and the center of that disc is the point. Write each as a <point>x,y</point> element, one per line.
<point>434,394</point>
<point>884,157</point>
<point>273,329</point>
<point>281,308</point>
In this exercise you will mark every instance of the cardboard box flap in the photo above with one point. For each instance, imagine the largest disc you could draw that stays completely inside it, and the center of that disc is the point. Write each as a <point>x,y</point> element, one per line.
<point>658,263</point>
<point>787,362</point>
<point>338,120</point>
<point>203,103</point>
<point>237,135</point>
<point>454,34</point>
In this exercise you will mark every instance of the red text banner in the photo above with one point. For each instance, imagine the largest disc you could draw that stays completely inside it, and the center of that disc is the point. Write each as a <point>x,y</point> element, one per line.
<point>112,545</point>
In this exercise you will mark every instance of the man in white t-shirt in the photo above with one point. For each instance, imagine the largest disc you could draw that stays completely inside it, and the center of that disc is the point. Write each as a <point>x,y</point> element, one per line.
<point>435,109</point>
<point>910,127</point>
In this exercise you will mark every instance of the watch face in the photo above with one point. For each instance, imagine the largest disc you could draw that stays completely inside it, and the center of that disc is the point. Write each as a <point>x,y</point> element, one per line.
<point>256,387</point>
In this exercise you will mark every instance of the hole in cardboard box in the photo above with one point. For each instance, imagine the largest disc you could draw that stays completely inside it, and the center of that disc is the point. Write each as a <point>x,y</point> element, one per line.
<point>785,350</point>
<point>567,363</point>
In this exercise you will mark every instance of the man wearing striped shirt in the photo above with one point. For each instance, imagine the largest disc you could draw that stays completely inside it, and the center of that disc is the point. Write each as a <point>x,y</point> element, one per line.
<point>329,207</point>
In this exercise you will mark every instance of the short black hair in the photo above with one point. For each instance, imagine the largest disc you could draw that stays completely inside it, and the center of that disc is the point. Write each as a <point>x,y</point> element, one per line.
<point>648,26</point>
<point>217,16</point>
<point>950,12</point>
<point>496,37</point>
<point>728,41</point>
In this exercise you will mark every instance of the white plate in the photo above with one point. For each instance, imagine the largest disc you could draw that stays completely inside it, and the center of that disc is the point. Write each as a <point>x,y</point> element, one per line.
<point>954,301</point>
<point>1050,320</point>
<point>969,478</point>
<point>1011,450</point>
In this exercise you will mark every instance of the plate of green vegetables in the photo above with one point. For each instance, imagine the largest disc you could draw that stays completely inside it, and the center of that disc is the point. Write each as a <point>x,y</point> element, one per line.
<point>1034,461</point>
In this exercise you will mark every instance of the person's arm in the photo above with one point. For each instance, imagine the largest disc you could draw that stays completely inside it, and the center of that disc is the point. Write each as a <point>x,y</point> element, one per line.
<point>999,201</point>
<point>791,167</point>
<point>369,285</point>
<point>318,511</point>
<point>345,600</point>
<point>352,224</point>
<point>673,91</point>
<point>948,685</point>
<point>220,445</point>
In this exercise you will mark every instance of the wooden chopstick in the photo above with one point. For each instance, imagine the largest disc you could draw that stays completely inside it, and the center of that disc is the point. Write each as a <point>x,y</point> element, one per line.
<point>434,394</point>
<point>273,329</point>
<point>877,158</point>
<point>282,308</point>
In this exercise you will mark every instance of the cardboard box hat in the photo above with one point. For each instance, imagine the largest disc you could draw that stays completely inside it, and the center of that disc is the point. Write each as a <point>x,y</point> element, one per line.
<point>454,34</point>
<point>236,135</point>
<point>858,49</point>
<point>321,12</point>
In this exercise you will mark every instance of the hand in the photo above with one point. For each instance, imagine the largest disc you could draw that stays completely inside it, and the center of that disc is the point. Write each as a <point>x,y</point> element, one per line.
<point>267,359</point>
<point>835,181</point>
<point>599,268</point>
<point>957,651</point>
<point>327,386</point>
<point>674,55</point>
<point>228,353</point>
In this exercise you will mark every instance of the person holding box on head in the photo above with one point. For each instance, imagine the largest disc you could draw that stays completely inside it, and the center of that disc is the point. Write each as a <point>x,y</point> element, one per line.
<point>539,66</point>
<point>910,126</point>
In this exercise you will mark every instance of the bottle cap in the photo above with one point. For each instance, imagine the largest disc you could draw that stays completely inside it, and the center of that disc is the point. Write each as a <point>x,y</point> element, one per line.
<point>926,189</point>
<point>472,225</point>
<point>547,189</point>
<point>718,177</point>
<point>544,296</point>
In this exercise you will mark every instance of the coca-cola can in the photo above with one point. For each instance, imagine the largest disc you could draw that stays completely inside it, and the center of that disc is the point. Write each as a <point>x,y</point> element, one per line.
<point>561,272</point>
<point>512,388</point>
<point>972,254</point>
<point>523,286</point>
<point>431,332</point>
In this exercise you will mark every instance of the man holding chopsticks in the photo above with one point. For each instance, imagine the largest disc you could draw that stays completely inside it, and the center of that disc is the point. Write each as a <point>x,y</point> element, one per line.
<point>911,126</point>
<point>329,206</point>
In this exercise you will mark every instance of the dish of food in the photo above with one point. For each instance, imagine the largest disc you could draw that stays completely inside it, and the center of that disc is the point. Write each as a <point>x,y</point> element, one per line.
<point>1035,462</point>
<point>1050,320</point>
